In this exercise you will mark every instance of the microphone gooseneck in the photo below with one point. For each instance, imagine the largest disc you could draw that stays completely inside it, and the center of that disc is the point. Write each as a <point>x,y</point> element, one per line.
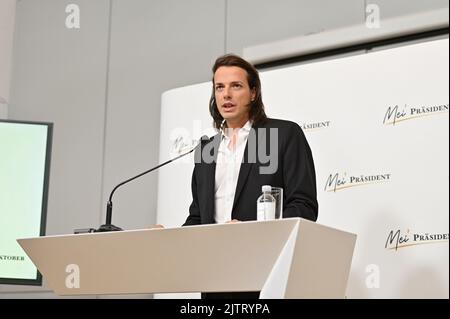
<point>108,226</point>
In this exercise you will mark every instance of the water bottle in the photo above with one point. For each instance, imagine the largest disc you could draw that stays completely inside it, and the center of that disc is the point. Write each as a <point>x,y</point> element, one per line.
<point>266,204</point>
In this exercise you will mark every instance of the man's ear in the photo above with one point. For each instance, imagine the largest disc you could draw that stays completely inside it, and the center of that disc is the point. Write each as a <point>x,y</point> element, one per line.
<point>253,94</point>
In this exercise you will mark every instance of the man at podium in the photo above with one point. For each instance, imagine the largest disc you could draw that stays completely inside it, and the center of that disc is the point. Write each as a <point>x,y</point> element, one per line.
<point>249,151</point>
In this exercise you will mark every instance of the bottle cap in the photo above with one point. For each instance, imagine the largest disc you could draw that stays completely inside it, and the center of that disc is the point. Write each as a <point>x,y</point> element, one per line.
<point>267,188</point>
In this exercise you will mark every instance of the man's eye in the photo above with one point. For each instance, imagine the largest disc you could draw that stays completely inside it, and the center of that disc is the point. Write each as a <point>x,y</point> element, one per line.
<point>237,85</point>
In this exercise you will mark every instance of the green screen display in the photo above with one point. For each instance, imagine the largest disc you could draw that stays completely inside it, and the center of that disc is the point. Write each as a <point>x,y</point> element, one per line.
<point>24,170</point>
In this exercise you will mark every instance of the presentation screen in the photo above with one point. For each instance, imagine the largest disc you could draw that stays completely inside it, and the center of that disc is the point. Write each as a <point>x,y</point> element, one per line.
<point>25,149</point>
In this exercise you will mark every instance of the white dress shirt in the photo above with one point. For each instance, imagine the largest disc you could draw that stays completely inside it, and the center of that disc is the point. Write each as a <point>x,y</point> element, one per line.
<point>227,172</point>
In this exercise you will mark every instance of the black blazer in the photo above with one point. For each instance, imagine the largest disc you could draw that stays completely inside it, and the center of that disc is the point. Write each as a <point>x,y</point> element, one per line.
<point>295,174</point>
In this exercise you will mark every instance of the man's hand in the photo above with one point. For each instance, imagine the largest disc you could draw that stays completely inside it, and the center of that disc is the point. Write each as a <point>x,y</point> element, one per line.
<point>233,221</point>
<point>156,226</point>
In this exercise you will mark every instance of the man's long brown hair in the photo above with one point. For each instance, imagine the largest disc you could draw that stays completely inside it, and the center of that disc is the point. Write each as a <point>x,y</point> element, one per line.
<point>256,114</point>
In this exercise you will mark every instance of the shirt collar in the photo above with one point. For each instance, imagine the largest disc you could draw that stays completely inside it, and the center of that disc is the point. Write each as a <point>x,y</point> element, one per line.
<point>246,128</point>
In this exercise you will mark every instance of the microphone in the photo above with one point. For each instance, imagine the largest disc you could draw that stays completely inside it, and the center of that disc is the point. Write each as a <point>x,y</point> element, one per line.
<point>110,227</point>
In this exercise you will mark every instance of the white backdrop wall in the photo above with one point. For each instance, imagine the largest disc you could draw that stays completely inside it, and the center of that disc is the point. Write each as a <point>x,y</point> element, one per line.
<point>378,127</point>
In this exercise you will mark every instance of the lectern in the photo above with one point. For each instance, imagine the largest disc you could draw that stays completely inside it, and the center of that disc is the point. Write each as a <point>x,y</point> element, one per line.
<point>285,258</point>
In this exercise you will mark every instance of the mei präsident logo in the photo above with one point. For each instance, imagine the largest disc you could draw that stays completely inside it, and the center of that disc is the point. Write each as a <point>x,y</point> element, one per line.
<point>338,181</point>
<point>315,126</point>
<point>397,239</point>
<point>395,114</point>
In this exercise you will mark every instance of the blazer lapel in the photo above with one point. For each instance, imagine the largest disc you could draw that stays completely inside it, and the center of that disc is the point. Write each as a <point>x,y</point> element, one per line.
<point>210,171</point>
<point>246,164</point>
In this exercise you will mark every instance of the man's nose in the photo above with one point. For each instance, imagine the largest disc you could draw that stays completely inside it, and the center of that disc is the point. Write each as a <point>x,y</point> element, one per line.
<point>226,93</point>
